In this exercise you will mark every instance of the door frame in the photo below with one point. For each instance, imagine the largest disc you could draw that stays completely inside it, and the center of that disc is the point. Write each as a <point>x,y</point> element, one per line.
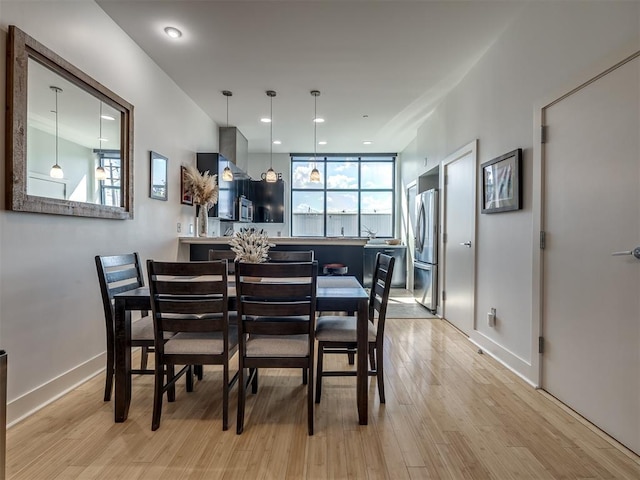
<point>470,148</point>
<point>409,239</point>
<point>582,79</point>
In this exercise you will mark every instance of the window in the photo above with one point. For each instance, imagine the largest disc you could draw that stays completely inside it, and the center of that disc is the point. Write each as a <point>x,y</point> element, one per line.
<point>355,197</point>
<point>110,187</point>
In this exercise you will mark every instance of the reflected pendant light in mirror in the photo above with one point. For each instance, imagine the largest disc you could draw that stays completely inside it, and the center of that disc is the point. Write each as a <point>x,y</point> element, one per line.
<point>56,171</point>
<point>271,175</point>
<point>227,174</point>
<point>100,172</point>
<point>315,174</point>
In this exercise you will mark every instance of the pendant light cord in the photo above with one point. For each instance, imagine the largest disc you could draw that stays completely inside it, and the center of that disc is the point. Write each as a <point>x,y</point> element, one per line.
<point>271,134</point>
<point>315,130</point>
<point>56,90</point>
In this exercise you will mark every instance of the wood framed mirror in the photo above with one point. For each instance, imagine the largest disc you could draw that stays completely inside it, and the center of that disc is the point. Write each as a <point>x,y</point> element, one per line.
<point>69,139</point>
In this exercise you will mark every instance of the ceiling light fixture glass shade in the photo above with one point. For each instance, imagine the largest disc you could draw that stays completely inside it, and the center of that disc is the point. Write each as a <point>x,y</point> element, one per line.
<point>271,176</point>
<point>100,172</point>
<point>173,32</point>
<point>314,177</point>
<point>56,170</point>
<point>227,174</point>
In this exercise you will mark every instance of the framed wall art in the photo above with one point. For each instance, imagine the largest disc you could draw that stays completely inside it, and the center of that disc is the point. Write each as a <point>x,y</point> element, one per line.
<point>158,182</point>
<point>185,196</point>
<point>502,183</point>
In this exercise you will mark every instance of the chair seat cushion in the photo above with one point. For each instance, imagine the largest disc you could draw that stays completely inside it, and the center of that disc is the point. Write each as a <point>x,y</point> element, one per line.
<point>142,329</point>
<point>340,329</point>
<point>278,346</point>
<point>197,343</point>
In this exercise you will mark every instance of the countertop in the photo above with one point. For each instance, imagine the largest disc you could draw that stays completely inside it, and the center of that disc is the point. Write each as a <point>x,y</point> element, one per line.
<point>284,241</point>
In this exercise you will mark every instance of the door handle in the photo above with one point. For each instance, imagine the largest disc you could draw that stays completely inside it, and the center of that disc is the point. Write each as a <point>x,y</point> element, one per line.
<point>635,252</point>
<point>466,244</point>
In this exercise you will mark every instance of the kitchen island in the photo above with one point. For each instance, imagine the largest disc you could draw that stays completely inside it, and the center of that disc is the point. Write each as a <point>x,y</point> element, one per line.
<point>345,250</point>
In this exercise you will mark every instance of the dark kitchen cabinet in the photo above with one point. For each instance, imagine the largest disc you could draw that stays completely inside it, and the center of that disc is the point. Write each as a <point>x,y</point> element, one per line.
<point>226,208</point>
<point>268,202</point>
<point>399,252</point>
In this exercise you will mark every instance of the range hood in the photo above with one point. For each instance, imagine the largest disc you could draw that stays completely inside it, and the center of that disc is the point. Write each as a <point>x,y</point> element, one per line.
<point>234,146</point>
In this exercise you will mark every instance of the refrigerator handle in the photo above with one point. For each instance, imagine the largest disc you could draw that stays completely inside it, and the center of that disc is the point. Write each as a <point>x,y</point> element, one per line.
<point>420,229</point>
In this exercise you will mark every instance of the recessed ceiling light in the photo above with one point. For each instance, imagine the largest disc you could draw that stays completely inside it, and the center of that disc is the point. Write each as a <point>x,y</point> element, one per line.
<point>322,142</point>
<point>265,120</point>
<point>107,117</point>
<point>172,32</point>
<point>318,120</point>
<point>277,142</point>
<point>367,142</point>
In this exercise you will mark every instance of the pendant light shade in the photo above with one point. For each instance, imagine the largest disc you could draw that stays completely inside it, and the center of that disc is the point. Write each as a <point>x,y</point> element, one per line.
<point>271,176</point>
<point>100,173</point>
<point>227,174</point>
<point>315,174</point>
<point>56,170</point>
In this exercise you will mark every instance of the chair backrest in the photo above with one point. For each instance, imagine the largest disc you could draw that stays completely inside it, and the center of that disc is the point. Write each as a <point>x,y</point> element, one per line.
<point>117,274</point>
<point>291,256</point>
<point>228,255</point>
<point>277,290</point>
<point>188,297</point>
<point>380,289</point>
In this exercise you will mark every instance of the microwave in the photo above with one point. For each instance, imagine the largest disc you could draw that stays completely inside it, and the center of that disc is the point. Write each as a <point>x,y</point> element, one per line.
<point>245,209</point>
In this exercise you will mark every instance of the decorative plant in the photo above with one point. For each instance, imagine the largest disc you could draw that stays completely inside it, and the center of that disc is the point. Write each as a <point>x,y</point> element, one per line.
<point>250,245</point>
<point>203,187</point>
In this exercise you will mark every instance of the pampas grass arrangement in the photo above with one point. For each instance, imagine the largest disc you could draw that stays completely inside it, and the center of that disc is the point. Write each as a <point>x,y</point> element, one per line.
<point>203,187</point>
<point>250,245</point>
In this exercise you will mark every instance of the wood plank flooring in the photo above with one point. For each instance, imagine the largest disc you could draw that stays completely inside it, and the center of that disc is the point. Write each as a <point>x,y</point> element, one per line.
<point>451,413</point>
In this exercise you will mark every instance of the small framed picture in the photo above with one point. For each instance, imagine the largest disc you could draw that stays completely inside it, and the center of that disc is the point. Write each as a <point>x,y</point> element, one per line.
<point>502,183</point>
<point>158,182</point>
<point>185,197</point>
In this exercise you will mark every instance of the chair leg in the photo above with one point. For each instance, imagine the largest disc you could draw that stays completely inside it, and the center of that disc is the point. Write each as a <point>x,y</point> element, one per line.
<point>108,384</point>
<point>372,357</point>
<point>352,357</point>
<point>380,373</point>
<point>199,371</point>
<point>310,396</point>
<point>143,358</point>
<point>305,378</point>
<point>319,373</point>
<point>189,375</point>
<point>171,392</point>
<point>254,382</point>
<point>157,397</point>
<point>225,395</point>
<point>241,399</point>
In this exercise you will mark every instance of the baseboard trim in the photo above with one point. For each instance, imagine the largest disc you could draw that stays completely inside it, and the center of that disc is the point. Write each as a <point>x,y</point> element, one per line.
<point>487,351</point>
<point>38,398</point>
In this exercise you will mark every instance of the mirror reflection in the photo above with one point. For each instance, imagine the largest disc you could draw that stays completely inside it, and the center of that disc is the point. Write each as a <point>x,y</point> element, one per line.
<point>73,141</point>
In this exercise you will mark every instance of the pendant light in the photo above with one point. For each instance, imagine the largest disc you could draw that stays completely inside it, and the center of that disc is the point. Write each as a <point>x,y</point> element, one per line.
<point>56,171</point>
<point>100,172</point>
<point>315,174</point>
<point>227,174</point>
<point>271,175</point>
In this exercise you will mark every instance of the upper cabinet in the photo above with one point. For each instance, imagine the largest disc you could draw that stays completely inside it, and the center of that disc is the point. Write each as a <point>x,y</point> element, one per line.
<point>226,208</point>
<point>268,202</point>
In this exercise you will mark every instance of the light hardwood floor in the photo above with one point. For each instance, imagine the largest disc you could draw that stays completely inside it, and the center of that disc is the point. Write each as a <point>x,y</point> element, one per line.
<point>450,413</point>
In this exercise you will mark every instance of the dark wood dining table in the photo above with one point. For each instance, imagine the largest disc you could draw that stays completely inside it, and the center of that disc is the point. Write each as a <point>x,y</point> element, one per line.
<point>343,294</point>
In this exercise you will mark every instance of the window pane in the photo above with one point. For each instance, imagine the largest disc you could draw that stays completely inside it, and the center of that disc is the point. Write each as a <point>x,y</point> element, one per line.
<point>307,214</point>
<point>377,175</point>
<point>300,172</point>
<point>342,214</point>
<point>376,213</point>
<point>343,175</point>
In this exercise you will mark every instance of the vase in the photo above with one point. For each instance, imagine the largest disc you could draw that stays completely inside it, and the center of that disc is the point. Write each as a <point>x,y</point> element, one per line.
<point>203,221</point>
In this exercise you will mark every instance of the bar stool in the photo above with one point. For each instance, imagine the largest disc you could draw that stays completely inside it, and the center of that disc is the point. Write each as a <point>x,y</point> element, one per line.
<point>334,269</point>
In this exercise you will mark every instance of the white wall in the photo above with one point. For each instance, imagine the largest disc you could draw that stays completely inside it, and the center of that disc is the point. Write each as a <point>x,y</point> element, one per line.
<point>543,49</point>
<point>51,320</point>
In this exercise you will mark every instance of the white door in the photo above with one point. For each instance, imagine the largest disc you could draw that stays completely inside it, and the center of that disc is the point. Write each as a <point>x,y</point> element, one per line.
<point>591,208</point>
<point>459,233</point>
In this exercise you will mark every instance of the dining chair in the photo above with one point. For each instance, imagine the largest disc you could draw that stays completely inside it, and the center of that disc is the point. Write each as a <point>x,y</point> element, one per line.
<point>190,299</point>
<point>276,323</point>
<point>338,334</point>
<point>228,255</point>
<point>117,274</point>
<point>290,256</point>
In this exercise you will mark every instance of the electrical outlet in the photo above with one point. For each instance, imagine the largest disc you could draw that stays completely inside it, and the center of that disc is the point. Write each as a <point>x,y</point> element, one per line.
<point>491,318</point>
<point>179,227</point>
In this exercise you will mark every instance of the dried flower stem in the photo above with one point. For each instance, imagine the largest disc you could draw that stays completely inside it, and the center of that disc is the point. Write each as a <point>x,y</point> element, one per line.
<point>203,187</point>
<point>250,245</point>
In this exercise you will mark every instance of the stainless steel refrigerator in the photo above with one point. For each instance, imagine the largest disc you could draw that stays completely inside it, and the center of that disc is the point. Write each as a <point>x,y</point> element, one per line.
<point>425,261</point>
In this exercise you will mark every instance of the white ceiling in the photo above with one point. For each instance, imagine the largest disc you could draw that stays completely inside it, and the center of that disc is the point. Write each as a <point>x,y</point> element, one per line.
<point>381,66</point>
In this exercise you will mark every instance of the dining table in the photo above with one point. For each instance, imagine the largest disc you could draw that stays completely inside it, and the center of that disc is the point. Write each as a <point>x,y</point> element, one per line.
<point>334,294</point>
